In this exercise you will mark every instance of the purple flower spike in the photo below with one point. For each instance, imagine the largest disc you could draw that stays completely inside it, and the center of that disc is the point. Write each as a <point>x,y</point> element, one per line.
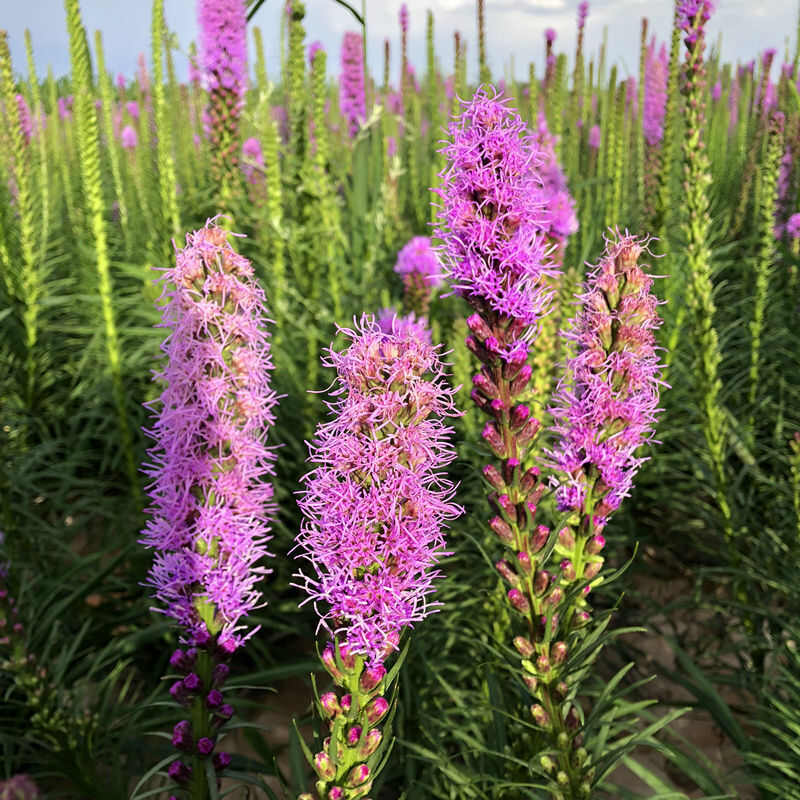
<point>352,101</point>
<point>550,35</point>
<point>210,512</point>
<point>594,137</point>
<point>492,213</point>
<point>129,138</point>
<point>375,504</point>
<point>419,257</point>
<point>655,93</point>
<point>606,405</point>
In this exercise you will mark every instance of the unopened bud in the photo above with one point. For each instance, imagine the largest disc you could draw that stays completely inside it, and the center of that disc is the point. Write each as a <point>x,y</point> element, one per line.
<point>540,716</point>
<point>558,652</point>
<point>504,568</point>
<point>346,702</point>
<point>568,570</point>
<point>515,361</point>
<point>323,766</point>
<point>371,743</point>
<point>531,681</point>
<point>485,386</point>
<point>525,562</point>
<point>528,432</point>
<point>518,601</point>
<point>353,735</point>
<point>358,775</point>
<point>566,539</point>
<point>540,582</point>
<point>591,570</point>
<point>329,703</point>
<point>595,544</point>
<point>562,778</point>
<point>519,416</point>
<point>555,597</point>
<point>524,646</point>
<point>548,765</point>
<point>507,508</point>
<point>540,537</point>
<point>371,677</point>
<point>521,380</point>
<point>492,437</point>
<point>529,479</point>
<point>478,326</point>
<point>543,664</point>
<point>494,478</point>
<point>376,710</point>
<point>502,529</point>
<point>329,661</point>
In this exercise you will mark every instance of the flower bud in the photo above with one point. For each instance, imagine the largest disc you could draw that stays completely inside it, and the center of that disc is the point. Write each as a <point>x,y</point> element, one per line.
<point>520,381</point>
<point>568,570</point>
<point>214,699</point>
<point>182,736</point>
<point>543,664</point>
<point>540,716</point>
<point>525,562</point>
<point>562,778</point>
<point>179,772</point>
<point>358,775</point>
<point>519,416</point>
<point>492,437</point>
<point>595,544</point>
<point>566,539</point>
<point>485,386</point>
<point>504,568</point>
<point>528,432</point>
<point>511,470</point>
<point>558,653</point>
<point>191,683</point>
<point>498,407</point>
<point>220,674</point>
<point>518,601</point>
<point>478,326</point>
<point>555,597</point>
<point>346,702</point>
<point>494,478</point>
<point>531,681</point>
<point>515,361</point>
<point>502,529</point>
<point>334,793</point>
<point>524,647</point>
<point>376,710</point>
<point>330,663</point>
<point>329,703</point>
<point>370,744</point>
<point>540,537</point>
<point>205,745</point>
<point>529,479</point>
<point>572,721</point>
<point>323,766</point>
<point>541,581</point>
<point>353,735</point>
<point>348,659</point>
<point>221,761</point>
<point>371,677</point>
<point>548,765</point>
<point>591,570</point>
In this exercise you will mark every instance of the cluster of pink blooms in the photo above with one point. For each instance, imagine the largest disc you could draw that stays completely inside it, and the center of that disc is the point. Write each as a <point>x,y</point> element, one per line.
<point>19,787</point>
<point>655,93</point>
<point>390,322</point>
<point>376,502</point>
<point>209,519</point>
<point>606,404</point>
<point>553,194</point>
<point>352,100</point>
<point>493,212</point>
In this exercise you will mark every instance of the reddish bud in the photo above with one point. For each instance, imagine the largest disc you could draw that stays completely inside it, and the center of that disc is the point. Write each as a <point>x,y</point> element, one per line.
<point>502,529</point>
<point>568,570</point>
<point>558,653</point>
<point>323,766</point>
<point>376,709</point>
<point>524,647</point>
<point>541,580</point>
<point>518,601</point>
<point>358,775</point>
<point>329,703</point>
<point>540,716</point>
<point>595,544</point>
<point>371,677</point>
<point>540,536</point>
<point>494,478</point>
<point>525,562</point>
<point>492,437</point>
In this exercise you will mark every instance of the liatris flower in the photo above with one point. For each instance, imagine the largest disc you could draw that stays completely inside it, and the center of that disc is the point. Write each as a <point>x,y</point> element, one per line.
<point>784,179</point>
<point>19,787</point>
<point>491,216</point>
<point>390,321</point>
<point>25,119</point>
<point>655,93</point>
<point>583,12</point>
<point>210,516</point>
<point>594,137</point>
<point>550,35</point>
<point>716,91</point>
<point>554,195</point>
<point>223,57</point>
<point>121,82</point>
<point>209,520</point>
<point>313,49</point>
<point>129,138</point>
<point>607,403</point>
<point>132,107</point>
<point>793,227</point>
<point>421,271</point>
<point>352,102</point>
<point>404,19</point>
<point>375,503</point>
<point>252,158</point>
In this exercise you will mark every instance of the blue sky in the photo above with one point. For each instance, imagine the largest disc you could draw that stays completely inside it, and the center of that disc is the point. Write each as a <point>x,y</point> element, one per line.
<point>515,28</point>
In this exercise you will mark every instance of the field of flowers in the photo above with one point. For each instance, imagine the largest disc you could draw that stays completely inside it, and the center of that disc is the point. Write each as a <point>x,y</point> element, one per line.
<point>290,362</point>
